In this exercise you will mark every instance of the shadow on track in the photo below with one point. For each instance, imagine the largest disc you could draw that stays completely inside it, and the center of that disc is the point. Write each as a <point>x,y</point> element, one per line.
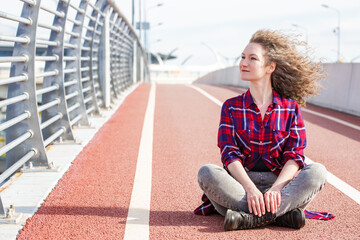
<point>205,224</point>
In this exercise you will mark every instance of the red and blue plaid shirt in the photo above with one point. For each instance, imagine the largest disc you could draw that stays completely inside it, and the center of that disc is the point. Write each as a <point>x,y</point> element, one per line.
<point>245,137</point>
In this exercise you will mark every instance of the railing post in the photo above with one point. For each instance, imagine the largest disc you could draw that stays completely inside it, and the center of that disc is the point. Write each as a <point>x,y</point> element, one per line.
<point>134,63</point>
<point>89,58</point>
<point>117,42</point>
<point>2,209</point>
<point>73,68</point>
<point>142,72</point>
<point>104,55</point>
<point>95,59</point>
<point>60,111</point>
<point>27,133</point>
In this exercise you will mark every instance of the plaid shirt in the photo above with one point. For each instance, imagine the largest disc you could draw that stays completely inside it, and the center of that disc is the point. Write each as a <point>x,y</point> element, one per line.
<point>243,135</point>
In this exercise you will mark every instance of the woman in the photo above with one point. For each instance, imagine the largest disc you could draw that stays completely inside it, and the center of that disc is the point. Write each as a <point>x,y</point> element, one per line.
<point>262,138</point>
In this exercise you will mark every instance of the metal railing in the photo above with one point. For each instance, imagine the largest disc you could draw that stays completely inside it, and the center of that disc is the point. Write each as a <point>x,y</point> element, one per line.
<point>70,58</point>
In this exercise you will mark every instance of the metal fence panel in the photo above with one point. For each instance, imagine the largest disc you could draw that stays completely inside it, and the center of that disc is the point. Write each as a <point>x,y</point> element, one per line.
<point>69,59</point>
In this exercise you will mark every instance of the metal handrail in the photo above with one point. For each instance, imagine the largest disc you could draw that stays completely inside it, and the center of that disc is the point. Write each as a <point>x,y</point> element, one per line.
<point>91,55</point>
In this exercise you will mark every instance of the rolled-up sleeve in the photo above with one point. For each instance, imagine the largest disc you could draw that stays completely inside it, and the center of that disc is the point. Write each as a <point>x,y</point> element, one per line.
<point>226,138</point>
<point>294,148</point>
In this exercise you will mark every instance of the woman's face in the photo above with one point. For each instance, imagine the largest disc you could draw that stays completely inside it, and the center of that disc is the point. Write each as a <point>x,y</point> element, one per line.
<point>253,63</point>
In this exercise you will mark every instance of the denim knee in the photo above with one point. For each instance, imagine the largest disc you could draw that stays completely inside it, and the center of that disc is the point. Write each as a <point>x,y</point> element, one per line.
<point>206,174</point>
<point>317,173</point>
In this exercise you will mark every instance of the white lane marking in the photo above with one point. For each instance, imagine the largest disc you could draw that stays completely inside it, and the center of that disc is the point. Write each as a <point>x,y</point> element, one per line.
<point>206,95</point>
<point>331,178</point>
<point>341,185</point>
<point>137,222</point>
<point>332,119</point>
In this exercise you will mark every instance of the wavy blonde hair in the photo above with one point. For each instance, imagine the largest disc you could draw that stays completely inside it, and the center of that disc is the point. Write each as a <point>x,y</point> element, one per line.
<point>296,75</point>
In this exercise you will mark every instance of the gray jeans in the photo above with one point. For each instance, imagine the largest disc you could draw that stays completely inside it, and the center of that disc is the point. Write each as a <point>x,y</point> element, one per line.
<point>225,192</point>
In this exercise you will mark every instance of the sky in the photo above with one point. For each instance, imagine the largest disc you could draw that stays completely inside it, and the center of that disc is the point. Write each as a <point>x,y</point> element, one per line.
<point>200,28</point>
<point>196,29</point>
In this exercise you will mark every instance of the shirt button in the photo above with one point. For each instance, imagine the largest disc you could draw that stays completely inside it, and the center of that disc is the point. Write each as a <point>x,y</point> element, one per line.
<point>262,126</point>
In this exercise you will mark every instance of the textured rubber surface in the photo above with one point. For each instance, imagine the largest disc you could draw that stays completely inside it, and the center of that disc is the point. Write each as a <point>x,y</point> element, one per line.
<point>91,201</point>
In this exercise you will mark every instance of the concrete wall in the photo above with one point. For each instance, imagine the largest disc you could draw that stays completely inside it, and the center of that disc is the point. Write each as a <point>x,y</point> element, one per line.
<point>226,76</point>
<point>341,87</point>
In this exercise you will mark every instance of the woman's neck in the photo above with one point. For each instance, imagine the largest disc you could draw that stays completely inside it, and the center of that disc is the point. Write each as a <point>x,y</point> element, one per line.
<point>261,92</point>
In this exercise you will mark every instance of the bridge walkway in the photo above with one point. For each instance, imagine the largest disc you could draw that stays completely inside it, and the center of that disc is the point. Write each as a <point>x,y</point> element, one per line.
<point>173,129</point>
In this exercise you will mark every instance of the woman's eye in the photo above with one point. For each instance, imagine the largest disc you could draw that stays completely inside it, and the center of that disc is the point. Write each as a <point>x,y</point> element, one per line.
<point>242,57</point>
<point>253,58</point>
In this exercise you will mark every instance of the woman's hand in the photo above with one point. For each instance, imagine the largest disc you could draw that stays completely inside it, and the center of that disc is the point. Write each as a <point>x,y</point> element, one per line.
<point>255,201</point>
<point>272,200</point>
<point>272,197</point>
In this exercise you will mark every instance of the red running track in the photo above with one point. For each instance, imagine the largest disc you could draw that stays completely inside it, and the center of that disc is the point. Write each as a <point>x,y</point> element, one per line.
<point>91,201</point>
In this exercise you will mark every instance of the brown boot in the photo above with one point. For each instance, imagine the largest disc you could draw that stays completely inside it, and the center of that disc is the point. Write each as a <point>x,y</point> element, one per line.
<point>292,219</point>
<point>240,220</point>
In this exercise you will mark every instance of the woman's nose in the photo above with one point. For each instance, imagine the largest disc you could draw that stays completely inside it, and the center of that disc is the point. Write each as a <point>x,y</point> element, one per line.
<point>243,62</point>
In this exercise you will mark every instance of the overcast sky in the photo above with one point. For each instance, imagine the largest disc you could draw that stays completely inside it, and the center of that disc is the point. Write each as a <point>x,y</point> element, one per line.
<point>226,26</point>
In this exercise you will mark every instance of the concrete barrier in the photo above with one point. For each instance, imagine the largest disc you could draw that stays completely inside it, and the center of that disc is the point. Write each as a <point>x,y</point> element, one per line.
<point>341,90</point>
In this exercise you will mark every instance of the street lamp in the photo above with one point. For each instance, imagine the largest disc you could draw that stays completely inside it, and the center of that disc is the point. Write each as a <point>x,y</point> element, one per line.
<point>305,29</point>
<point>186,59</point>
<point>157,5</point>
<point>158,24</point>
<point>355,58</point>
<point>338,29</point>
<point>156,41</point>
<point>147,48</point>
<point>169,54</point>
<point>216,54</point>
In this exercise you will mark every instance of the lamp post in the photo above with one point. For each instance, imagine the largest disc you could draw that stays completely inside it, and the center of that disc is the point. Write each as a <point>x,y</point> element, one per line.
<point>186,59</point>
<point>169,54</point>
<point>355,58</point>
<point>132,13</point>
<point>147,47</point>
<point>156,41</point>
<point>140,20</point>
<point>337,29</point>
<point>216,54</point>
<point>157,5</point>
<point>158,24</point>
<point>305,29</point>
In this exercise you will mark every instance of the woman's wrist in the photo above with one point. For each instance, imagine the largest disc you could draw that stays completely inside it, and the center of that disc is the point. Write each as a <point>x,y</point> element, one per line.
<point>250,187</point>
<point>277,188</point>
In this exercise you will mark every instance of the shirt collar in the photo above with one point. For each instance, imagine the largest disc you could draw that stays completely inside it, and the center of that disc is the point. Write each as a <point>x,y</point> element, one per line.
<point>248,100</point>
<point>277,98</point>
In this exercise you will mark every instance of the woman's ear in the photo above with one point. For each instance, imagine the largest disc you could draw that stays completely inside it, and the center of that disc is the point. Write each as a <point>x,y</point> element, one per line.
<point>272,67</point>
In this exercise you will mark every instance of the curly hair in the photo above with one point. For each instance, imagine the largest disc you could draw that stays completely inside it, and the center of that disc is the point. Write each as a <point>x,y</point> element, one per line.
<point>296,75</point>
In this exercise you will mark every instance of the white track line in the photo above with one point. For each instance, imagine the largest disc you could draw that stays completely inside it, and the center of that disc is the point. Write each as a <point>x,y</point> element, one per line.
<point>331,178</point>
<point>215,100</point>
<point>332,119</point>
<point>137,222</point>
<point>341,185</point>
